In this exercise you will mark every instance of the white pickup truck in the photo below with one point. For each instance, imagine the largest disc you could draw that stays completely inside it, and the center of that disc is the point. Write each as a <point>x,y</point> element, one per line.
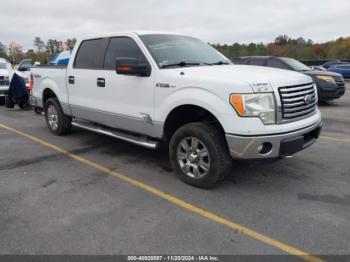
<point>147,88</point>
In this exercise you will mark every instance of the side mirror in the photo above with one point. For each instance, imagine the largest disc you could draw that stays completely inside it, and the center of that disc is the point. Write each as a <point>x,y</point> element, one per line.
<point>131,66</point>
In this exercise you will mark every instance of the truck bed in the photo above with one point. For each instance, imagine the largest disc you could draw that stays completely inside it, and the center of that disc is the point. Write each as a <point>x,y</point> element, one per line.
<point>52,77</point>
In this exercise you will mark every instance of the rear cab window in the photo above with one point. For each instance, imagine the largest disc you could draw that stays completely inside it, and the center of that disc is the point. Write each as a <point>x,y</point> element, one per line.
<point>91,54</point>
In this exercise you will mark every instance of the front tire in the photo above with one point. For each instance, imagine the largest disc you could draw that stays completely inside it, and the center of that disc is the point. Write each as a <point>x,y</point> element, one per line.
<point>58,123</point>
<point>199,154</point>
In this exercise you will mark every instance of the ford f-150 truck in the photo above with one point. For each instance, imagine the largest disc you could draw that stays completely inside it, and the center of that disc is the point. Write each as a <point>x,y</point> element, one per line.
<point>147,88</point>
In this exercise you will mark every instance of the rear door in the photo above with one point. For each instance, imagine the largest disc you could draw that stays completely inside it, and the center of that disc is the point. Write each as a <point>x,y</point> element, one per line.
<point>82,87</point>
<point>97,93</point>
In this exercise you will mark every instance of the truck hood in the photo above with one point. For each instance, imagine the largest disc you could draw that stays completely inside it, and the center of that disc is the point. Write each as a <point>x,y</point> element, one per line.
<point>4,72</point>
<point>244,74</point>
<point>322,73</point>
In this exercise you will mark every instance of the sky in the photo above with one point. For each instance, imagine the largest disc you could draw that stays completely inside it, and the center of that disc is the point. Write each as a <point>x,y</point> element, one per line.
<point>214,21</point>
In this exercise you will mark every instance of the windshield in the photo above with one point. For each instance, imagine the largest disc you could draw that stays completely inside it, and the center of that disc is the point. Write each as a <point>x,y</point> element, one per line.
<point>181,50</point>
<point>295,64</point>
<point>25,66</point>
<point>3,66</point>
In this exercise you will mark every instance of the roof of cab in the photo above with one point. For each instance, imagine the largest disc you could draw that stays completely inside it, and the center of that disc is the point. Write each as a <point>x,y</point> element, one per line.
<point>142,32</point>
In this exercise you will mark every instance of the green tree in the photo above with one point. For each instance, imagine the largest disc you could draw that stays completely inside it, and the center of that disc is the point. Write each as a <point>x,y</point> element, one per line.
<point>39,44</point>
<point>3,51</point>
<point>31,54</point>
<point>71,43</point>
<point>53,46</point>
<point>282,40</point>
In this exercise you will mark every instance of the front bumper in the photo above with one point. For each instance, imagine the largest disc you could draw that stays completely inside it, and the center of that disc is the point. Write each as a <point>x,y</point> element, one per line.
<point>272,146</point>
<point>4,91</point>
<point>329,91</point>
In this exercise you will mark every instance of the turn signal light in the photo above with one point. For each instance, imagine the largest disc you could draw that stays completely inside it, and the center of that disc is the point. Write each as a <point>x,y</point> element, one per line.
<point>237,102</point>
<point>124,68</point>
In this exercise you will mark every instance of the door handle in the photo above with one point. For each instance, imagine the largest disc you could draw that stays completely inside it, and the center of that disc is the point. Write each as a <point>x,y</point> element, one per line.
<point>101,82</point>
<point>71,80</point>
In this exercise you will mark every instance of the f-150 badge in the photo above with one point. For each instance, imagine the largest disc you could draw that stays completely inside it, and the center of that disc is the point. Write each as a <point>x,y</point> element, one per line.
<point>164,85</point>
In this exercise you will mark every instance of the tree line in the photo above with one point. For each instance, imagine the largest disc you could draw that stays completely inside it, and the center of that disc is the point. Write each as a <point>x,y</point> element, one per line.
<point>283,45</point>
<point>42,51</point>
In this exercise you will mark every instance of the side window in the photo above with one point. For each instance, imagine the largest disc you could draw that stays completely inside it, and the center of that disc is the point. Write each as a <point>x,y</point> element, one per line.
<point>90,54</point>
<point>257,61</point>
<point>244,61</point>
<point>122,47</point>
<point>277,64</point>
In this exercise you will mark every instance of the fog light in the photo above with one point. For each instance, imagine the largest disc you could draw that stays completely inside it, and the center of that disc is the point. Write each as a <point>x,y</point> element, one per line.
<point>265,148</point>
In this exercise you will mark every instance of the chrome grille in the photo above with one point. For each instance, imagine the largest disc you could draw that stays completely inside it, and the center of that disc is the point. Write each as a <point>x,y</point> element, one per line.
<point>297,101</point>
<point>339,80</point>
<point>3,82</point>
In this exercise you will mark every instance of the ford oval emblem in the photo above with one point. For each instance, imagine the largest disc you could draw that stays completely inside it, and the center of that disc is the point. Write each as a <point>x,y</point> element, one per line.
<point>308,99</point>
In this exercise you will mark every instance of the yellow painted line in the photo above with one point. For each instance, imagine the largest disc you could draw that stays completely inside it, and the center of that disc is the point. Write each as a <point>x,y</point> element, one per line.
<point>177,201</point>
<point>335,139</point>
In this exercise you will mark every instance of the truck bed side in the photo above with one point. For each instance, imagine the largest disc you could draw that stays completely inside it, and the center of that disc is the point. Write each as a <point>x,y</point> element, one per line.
<point>50,78</point>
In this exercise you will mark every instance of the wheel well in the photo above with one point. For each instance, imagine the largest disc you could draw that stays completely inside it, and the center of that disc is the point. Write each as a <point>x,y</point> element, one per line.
<point>48,93</point>
<point>185,114</point>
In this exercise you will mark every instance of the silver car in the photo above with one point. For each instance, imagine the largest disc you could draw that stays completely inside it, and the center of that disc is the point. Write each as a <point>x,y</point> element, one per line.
<point>6,72</point>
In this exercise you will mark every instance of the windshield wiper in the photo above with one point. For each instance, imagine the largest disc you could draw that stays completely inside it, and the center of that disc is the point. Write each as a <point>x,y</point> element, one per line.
<point>219,63</point>
<point>193,63</point>
<point>182,63</point>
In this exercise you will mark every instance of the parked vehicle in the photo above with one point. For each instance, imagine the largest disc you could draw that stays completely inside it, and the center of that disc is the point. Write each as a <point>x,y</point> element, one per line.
<point>330,85</point>
<point>149,88</point>
<point>24,68</point>
<point>61,58</point>
<point>343,69</point>
<point>6,73</point>
<point>331,63</point>
<point>318,68</point>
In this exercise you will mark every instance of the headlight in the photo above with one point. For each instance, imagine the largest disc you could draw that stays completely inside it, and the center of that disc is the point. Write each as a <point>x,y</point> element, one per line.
<point>7,80</point>
<point>257,105</point>
<point>326,78</point>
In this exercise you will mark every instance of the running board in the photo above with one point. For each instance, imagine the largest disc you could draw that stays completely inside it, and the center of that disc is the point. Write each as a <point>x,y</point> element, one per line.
<point>137,140</point>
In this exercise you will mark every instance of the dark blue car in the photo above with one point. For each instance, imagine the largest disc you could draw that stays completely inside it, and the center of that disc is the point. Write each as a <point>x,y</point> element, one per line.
<point>343,69</point>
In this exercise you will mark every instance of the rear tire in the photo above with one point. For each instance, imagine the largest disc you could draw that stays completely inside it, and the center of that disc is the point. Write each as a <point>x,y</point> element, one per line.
<point>59,124</point>
<point>2,101</point>
<point>199,154</point>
